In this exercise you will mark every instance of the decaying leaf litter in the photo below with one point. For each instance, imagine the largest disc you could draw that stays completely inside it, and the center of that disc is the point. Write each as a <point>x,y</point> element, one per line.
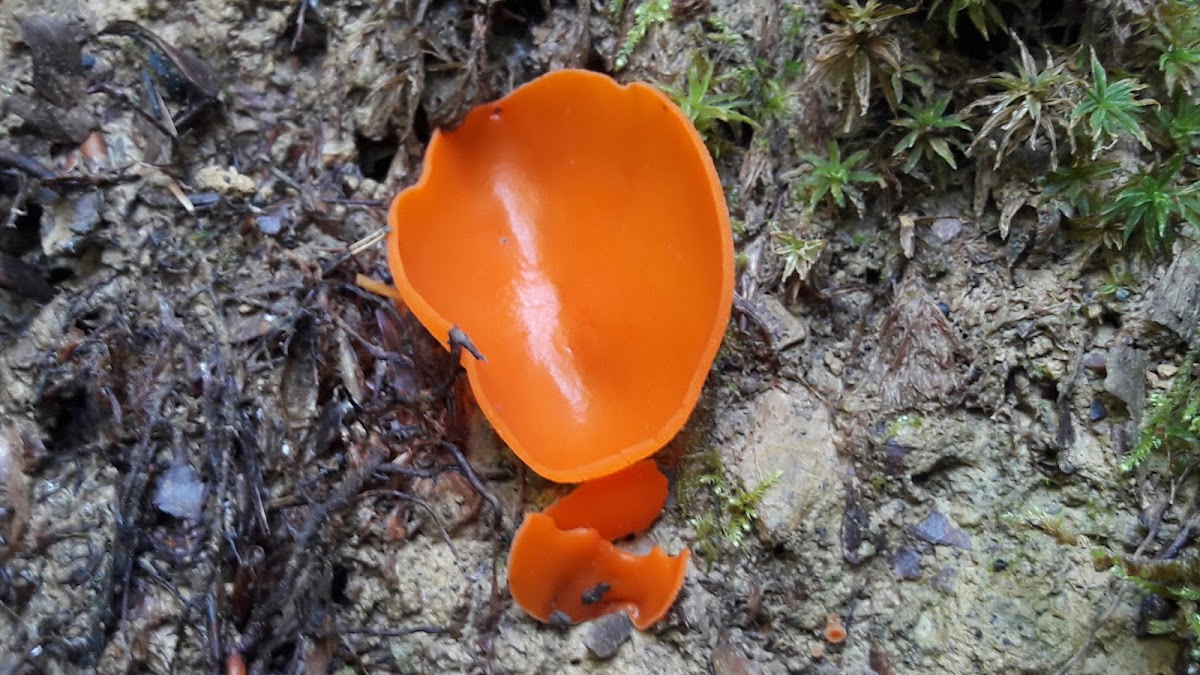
<point>218,450</point>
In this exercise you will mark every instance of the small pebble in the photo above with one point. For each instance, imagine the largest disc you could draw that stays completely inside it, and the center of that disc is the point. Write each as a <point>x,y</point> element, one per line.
<point>606,635</point>
<point>944,580</point>
<point>937,528</point>
<point>999,565</point>
<point>894,455</point>
<point>204,199</point>
<point>946,229</point>
<point>560,619</point>
<point>906,563</point>
<point>944,309</point>
<point>1095,362</point>
<point>1097,411</point>
<point>269,223</point>
<point>225,180</point>
<point>180,492</point>
<point>834,364</point>
<point>595,594</point>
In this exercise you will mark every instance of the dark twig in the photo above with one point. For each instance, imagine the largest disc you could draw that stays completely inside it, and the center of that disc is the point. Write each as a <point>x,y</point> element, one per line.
<point>407,472</point>
<point>300,14</point>
<point>16,208</point>
<point>1121,594</point>
<point>69,181</point>
<point>1184,537</point>
<point>335,262</point>
<point>23,279</point>
<point>287,180</point>
<point>375,351</point>
<point>387,305</point>
<point>368,203</point>
<point>270,607</point>
<point>213,622</point>
<point>743,307</point>
<point>367,632</point>
<point>476,483</point>
<point>130,498</point>
<point>404,496</point>
<point>25,164</point>
<point>251,456</point>
<point>151,571</point>
<point>460,340</point>
<point>119,94</point>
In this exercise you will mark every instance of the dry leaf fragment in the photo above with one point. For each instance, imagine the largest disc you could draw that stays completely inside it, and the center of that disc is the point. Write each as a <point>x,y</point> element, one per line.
<point>908,225</point>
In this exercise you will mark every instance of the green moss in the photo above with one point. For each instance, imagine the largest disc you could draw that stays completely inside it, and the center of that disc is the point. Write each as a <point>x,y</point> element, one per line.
<point>929,134</point>
<point>983,14</point>
<point>1176,580</point>
<point>857,53</point>
<point>1032,103</point>
<point>726,510</point>
<point>645,16</point>
<point>798,254</point>
<point>1108,111</point>
<point>837,178</point>
<point>900,424</point>
<point>1173,425</point>
<point>705,104</point>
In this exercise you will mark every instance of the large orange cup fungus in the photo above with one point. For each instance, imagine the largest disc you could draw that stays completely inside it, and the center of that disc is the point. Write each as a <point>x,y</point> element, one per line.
<point>576,232</point>
<point>563,562</point>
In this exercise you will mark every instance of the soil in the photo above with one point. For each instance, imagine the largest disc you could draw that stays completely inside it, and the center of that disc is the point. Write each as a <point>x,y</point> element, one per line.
<point>218,452</point>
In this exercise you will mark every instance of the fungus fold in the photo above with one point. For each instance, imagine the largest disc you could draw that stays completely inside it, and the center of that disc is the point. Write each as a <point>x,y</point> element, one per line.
<point>577,232</point>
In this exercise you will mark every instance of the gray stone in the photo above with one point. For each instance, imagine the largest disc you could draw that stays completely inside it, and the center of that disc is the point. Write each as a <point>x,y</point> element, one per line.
<point>787,432</point>
<point>937,528</point>
<point>1126,377</point>
<point>606,635</point>
<point>1175,299</point>
<point>906,563</point>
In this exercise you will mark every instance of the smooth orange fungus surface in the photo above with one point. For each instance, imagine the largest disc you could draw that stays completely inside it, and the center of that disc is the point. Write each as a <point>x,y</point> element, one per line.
<point>558,563</point>
<point>576,231</point>
<point>617,505</point>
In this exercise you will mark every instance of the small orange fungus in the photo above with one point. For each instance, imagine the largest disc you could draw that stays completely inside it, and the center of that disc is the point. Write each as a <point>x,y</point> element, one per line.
<point>835,632</point>
<point>562,560</point>
<point>577,233</point>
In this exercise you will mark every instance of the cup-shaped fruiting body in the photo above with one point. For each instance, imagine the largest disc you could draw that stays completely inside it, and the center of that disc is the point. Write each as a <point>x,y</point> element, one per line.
<point>577,234</point>
<point>564,568</point>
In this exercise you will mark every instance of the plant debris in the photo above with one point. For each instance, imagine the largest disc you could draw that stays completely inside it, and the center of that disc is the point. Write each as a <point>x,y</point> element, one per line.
<point>916,358</point>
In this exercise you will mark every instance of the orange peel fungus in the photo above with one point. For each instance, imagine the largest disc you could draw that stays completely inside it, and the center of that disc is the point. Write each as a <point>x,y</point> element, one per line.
<point>562,560</point>
<point>576,232</point>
